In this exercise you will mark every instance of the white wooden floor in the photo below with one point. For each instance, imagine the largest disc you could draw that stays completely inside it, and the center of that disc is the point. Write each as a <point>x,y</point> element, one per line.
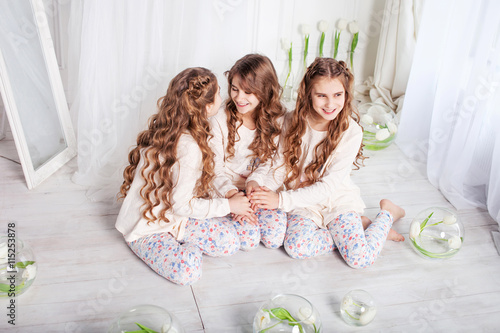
<point>87,275</point>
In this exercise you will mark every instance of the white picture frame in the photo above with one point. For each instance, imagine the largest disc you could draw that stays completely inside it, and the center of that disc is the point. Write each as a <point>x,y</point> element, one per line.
<point>39,32</point>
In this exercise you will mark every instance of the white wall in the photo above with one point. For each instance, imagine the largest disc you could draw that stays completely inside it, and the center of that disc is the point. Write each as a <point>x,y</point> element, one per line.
<point>269,20</point>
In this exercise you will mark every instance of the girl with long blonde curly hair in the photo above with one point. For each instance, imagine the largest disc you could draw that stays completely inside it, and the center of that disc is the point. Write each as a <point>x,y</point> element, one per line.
<point>321,145</point>
<point>169,217</point>
<point>246,136</point>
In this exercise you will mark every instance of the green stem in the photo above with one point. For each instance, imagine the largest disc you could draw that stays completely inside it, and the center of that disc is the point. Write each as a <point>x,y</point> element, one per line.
<point>321,43</point>
<point>289,64</point>
<point>351,315</point>
<point>336,44</point>
<point>306,47</point>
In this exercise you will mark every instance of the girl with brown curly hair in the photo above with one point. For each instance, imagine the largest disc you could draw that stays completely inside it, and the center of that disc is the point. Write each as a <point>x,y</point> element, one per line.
<point>246,135</point>
<point>169,217</point>
<point>323,141</point>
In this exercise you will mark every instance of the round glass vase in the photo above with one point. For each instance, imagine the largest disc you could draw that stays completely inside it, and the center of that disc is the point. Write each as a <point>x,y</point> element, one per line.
<point>379,125</point>
<point>358,308</point>
<point>17,266</point>
<point>436,233</point>
<point>287,313</point>
<point>146,318</point>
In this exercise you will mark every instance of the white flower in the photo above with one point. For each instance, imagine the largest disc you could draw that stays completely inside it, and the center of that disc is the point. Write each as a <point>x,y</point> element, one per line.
<point>323,26</point>
<point>29,272</point>
<point>450,219</point>
<point>306,315</point>
<point>3,253</point>
<point>377,112</point>
<point>393,128</point>
<point>367,316</point>
<point>296,329</point>
<point>341,24</point>
<point>367,119</point>
<point>414,229</point>
<point>347,302</point>
<point>168,329</point>
<point>353,27</point>
<point>455,242</point>
<point>382,134</point>
<point>263,319</point>
<point>285,44</point>
<point>305,29</point>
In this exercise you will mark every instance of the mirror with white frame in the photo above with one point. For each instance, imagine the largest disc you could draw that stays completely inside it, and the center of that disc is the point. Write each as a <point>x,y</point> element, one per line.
<point>32,91</point>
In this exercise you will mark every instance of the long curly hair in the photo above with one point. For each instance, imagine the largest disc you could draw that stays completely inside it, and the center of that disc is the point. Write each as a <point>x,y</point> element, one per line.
<point>257,76</point>
<point>181,110</point>
<point>320,68</point>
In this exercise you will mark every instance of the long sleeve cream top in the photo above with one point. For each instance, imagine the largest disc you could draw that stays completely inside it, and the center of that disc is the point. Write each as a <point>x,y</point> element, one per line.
<point>334,193</point>
<point>185,172</point>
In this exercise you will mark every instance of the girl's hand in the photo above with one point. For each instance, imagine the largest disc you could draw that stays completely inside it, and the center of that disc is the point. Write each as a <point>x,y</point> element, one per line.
<point>242,218</point>
<point>230,193</point>
<point>251,187</point>
<point>240,205</point>
<point>265,198</point>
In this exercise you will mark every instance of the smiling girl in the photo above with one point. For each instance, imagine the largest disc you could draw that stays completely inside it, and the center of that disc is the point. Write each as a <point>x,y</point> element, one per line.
<point>246,135</point>
<point>321,144</point>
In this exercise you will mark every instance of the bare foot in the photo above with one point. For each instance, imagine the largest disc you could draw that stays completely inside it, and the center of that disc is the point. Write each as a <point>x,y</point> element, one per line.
<point>395,236</point>
<point>396,211</point>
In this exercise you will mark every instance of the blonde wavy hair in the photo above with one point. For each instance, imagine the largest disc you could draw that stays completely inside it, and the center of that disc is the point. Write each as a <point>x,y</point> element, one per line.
<point>181,110</point>
<point>320,68</point>
<point>257,76</point>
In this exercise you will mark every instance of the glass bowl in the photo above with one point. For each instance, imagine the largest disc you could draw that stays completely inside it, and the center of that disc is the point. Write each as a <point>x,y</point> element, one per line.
<point>287,313</point>
<point>436,233</point>
<point>146,318</point>
<point>358,308</point>
<point>18,266</point>
<point>379,125</point>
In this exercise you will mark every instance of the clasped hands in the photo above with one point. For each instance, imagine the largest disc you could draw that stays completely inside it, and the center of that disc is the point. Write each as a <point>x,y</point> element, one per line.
<point>244,206</point>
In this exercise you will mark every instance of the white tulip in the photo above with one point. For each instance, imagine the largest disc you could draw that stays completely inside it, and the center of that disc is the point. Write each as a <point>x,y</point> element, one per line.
<point>382,134</point>
<point>367,316</point>
<point>306,29</point>
<point>341,24</point>
<point>450,219</point>
<point>306,315</point>
<point>414,229</point>
<point>455,242</point>
<point>29,272</point>
<point>323,26</point>
<point>168,329</point>
<point>264,319</point>
<point>353,27</point>
<point>285,44</point>
<point>296,329</point>
<point>393,128</point>
<point>347,302</point>
<point>367,119</point>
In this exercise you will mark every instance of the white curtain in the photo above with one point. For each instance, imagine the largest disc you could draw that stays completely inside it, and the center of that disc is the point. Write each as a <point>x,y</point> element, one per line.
<point>451,110</point>
<point>123,55</point>
<point>398,35</point>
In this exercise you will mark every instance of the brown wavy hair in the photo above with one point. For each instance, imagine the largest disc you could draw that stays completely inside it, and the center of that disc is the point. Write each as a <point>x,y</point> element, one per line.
<point>181,110</point>
<point>257,76</point>
<point>320,68</point>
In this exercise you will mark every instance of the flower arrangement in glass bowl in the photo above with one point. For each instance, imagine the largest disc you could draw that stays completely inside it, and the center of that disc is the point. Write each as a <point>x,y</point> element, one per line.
<point>287,313</point>
<point>436,233</point>
<point>147,319</point>
<point>379,125</point>
<point>17,266</point>
<point>358,308</point>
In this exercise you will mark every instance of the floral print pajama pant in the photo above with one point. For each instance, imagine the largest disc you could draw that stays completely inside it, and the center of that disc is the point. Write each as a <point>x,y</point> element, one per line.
<point>272,224</point>
<point>180,261</point>
<point>359,248</point>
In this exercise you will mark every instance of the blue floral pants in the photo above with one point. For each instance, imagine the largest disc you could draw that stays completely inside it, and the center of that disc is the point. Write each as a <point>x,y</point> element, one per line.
<point>180,262</point>
<point>272,224</point>
<point>359,248</point>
